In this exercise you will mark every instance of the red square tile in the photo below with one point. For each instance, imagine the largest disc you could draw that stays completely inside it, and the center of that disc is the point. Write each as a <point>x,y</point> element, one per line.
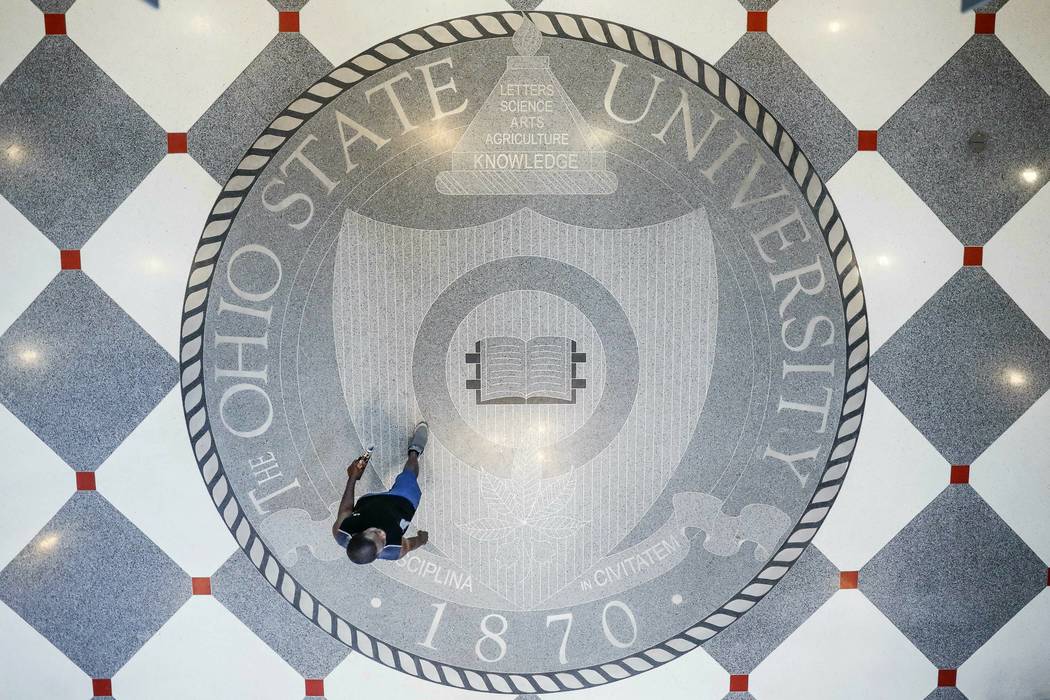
<point>102,687</point>
<point>54,23</point>
<point>177,142</point>
<point>946,678</point>
<point>848,579</point>
<point>984,23</point>
<point>738,683</point>
<point>69,259</point>
<point>200,585</point>
<point>756,21</point>
<point>85,481</point>
<point>973,255</point>
<point>288,21</point>
<point>867,140</point>
<point>960,474</point>
<point>314,687</point>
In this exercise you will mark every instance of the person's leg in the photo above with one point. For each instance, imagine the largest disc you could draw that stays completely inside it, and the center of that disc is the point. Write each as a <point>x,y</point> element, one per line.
<point>412,463</point>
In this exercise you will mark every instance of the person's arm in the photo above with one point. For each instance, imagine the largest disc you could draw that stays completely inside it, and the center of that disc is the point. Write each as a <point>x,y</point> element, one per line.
<point>346,505</point>
<point>410,543</point>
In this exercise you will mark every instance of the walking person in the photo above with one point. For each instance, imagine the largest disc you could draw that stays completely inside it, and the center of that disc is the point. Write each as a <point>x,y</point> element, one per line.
<point>374,527</point>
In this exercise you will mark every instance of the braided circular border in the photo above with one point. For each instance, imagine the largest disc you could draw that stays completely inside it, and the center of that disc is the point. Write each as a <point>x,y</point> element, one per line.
<point>494,25</point>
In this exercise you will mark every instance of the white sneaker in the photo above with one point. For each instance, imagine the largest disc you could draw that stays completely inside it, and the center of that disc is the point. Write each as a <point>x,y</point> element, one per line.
<point>419,438</point>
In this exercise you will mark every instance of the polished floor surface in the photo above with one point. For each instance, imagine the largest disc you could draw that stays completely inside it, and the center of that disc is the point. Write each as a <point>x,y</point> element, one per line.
<point>656,275</point>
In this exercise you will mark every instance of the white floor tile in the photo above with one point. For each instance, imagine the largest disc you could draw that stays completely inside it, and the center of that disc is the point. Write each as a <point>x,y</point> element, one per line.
<point>694,676</point>
<point>341,29</point>
<point>1013,475</point>
<point>895,473</point>
<point>176,60</point>
<point>36,482</point>
<point>1013,663</point>
<point>152,478</point>
<point>847,649</point>
<point>1024,26</point>
<point>31,667</point>
<point>359,676</point>
<point>141,254</point>
<point>1018,256</point>
<point>707,28</point>
<point>28,263</point>
<point>905,252</point>
<point>869,57</point>
<point>205,653</point>
<point>20,30</point>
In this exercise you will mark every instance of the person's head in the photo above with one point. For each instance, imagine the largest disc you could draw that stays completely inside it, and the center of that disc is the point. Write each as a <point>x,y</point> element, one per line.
<point>363,548</point>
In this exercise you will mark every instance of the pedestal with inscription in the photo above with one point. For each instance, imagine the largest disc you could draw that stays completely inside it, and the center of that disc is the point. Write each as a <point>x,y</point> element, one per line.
<point>528,138</point>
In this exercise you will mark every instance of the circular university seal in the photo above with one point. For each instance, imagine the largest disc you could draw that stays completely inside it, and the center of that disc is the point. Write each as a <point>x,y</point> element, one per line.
<point>612,284</point>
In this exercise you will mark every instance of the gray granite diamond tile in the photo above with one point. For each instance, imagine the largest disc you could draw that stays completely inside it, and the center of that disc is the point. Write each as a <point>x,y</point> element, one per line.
<point>744,644</point>
<point>991,6</point>
<point>739,695</point>
<point>981,88</point>
<point>95,376</point>
<point>85,144</point>
<point>288,65</point>
<point>289,5</point>
<point>761,67</point>
<point>94,585</point>
<point>953,576</point>
<point>242,589</point>
<point>524,5</point>
<point>54,5</point>
<point>946,694</point>
<point>965,366</point>
<point>758,5</point>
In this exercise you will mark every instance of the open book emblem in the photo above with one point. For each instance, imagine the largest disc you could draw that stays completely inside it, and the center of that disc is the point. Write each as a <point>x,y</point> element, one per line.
<point>539,370</point>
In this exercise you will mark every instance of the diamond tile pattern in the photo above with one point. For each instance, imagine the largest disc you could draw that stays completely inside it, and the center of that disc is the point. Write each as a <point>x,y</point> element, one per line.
<point>906,253</point>
<point>997,671</point>
<point>86,348</point>
<point>206,653</point>
<point>156,458</point>
<point>981,88</point>
<point>213,43</point>
<point>946,694</point>
<point>94,585</point>
<point>950,576</point>
<point>141,253</point>
<point>741,647</point>
<point>965,366</point>
<point>288,65</point>
<point>24,651</point>
<point>869,57</point>
<point>1019,261</point>
<point>54,5</point>
<point>1012,475</point>
<point>894,474</point>
<point>762,68</point>
<point>36,484</point>
<point>31,262</point>
<point>301,643</point>
<point>83,155</point>
<point>19,32</point>
<point>953,576</point>
<point>846,649</point>
<point>1022,28</point>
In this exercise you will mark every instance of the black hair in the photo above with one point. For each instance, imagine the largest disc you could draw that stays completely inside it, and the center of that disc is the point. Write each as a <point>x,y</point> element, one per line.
<point>361,550</point>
